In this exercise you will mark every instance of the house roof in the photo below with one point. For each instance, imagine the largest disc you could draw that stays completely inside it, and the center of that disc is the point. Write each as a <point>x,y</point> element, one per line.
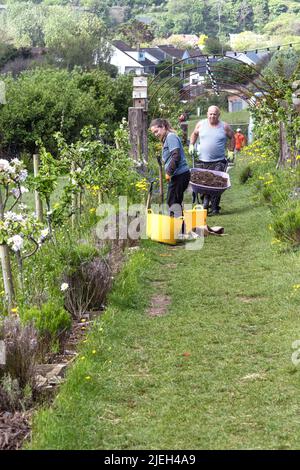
<point>249,58</point>
<point>146,62</point>
<point>172,51</point>
<point>121,45</point>
<point>194,52</point>
<point>155,52</point>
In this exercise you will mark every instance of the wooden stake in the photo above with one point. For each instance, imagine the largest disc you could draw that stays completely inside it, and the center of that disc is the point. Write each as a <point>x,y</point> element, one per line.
<point>38,201</point>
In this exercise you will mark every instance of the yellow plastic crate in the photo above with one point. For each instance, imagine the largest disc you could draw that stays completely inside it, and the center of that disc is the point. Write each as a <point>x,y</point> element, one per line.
<point>195,217</point>
<point>163,228</point>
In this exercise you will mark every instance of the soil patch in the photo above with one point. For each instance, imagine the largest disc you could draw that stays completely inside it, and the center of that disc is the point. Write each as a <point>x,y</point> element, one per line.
<point>159,305</point>
<point>247,300</point>
<point>206,178</point>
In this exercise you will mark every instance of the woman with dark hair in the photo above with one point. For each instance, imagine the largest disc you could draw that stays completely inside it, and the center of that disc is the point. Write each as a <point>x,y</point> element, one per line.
<point>176,167</point>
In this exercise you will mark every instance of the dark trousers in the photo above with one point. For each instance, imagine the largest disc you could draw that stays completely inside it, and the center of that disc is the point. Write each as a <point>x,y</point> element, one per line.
<point>220,165</point>
<point>176,188</point>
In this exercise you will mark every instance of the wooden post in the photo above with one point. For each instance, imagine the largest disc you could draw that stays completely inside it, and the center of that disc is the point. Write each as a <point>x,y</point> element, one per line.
<point>138,120</point>
<point>6,266</point>
<point>38,201</point>
<point>74,201</point>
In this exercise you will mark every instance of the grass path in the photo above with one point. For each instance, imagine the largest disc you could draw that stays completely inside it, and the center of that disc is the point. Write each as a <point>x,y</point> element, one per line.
<point>214,372</point>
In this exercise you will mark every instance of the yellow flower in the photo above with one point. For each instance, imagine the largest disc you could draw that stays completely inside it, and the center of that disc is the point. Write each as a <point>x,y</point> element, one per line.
<point>88,377</point>
<point>94,351</point>
<point>296,286</point>
<point>92,210</point>
<point>82,358</point>
<point>14,310</point>
<point>298,157</point>
<point>2,292</point>
<point>83,320</point>
<point>274,241</point>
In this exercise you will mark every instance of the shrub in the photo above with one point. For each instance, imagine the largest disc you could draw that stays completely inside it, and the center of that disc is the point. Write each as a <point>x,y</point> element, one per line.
<point>88,286</point>
<point>74,256</point>
<point>12,397</point>
<point>52,322</point>
<point>287,225</point>
<point>245,174</point>
<point>21,351</point>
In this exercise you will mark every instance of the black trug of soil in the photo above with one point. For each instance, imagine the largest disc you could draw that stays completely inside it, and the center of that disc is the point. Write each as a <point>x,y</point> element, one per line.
<point>206,178</point>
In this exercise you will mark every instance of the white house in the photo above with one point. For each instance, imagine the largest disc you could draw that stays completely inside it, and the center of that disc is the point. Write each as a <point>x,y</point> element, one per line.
<point>128,60</point>
<point>123,60</point>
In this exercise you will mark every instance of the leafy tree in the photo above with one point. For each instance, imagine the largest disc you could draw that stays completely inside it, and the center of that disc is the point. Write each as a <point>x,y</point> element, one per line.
<point>76,38</point>
<point>214,46</point>
<point>44,101</point>
<point>283,63</point>
<point>135,32</point>
<point>24,22</point>
<point>260,13</point>
<point>284,25</point>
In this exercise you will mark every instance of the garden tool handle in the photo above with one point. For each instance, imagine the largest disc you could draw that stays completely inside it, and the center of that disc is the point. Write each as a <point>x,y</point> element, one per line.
<point>161,187</point>
<point>150,195</point>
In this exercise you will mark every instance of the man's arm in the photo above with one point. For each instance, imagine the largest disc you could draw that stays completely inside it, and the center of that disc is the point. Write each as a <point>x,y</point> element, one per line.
<point>230,135</point>
<point>195,133</point>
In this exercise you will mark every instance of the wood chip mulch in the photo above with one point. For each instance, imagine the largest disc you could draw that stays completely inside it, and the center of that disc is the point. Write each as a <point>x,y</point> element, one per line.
<point>14,429</point>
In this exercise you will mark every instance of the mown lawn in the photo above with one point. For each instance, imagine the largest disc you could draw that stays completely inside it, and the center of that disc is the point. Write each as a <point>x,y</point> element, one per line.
<point>214,372</point>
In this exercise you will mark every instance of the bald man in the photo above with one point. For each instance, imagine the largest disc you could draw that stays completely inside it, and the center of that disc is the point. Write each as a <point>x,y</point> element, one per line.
<point>213,135</point>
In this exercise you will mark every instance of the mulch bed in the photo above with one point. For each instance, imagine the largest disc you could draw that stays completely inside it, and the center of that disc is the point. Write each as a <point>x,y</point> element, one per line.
<point>14,429</point>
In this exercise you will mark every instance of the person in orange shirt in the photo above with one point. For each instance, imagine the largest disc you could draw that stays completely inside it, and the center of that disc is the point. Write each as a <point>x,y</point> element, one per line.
<point>240,141</point>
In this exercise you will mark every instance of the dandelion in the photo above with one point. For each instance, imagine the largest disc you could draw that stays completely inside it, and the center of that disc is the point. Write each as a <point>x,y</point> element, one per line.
<point>88,377</point>
<point>296,286</point>
<point>14,310</point>
<point>64,286</point>
<point>92,210</point>
<point>94,351</point>
<point>82,358</point>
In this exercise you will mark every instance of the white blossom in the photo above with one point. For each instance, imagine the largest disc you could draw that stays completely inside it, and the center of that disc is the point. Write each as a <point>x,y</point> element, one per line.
<point>64,286</point>
<point>16,192</point>
<point>16,242</point>
<point>43,236</point>
<point>23,175</point>
<point>16,161</point>
<point>13,217</point>
<point>4,165</point>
